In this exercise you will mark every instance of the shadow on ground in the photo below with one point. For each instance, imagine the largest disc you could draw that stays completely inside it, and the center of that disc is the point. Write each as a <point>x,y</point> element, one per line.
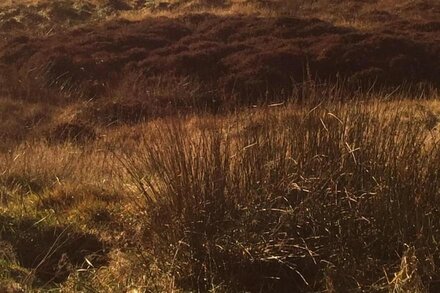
<point>50,252</point>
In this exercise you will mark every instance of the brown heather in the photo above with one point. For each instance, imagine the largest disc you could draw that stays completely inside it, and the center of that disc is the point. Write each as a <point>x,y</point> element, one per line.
<point>249,157</point>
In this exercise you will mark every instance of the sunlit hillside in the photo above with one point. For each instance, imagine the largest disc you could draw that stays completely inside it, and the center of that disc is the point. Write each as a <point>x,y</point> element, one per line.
<point>219,146</point>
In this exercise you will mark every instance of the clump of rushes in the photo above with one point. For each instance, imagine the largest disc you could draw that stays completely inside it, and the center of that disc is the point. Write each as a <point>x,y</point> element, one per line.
<point>330,196</point>
<point>293,199</point>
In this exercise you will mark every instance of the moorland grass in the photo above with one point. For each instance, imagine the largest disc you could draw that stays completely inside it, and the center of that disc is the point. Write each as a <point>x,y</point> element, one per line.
<point>328,196</point>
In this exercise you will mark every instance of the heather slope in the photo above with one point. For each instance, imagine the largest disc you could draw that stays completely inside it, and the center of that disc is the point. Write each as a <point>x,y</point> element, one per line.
<point>245,53</point>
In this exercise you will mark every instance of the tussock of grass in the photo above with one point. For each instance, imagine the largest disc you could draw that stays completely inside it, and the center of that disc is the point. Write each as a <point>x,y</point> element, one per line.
<point>288,199</point>
<point>329,195</point>
<point>170,183</point>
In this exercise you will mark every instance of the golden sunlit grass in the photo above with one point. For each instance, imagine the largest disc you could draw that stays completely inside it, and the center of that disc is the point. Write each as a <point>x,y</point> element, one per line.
<point>144,189</point>
<point>273,198</point>
<point>346,13</point>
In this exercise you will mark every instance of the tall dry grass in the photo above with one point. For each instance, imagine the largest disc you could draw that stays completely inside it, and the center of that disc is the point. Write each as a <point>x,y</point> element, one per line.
<point>336,196</point>
<point>327,198</point>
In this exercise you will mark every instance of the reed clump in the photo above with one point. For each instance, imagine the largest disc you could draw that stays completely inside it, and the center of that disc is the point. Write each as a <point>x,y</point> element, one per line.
<point>290,199</point>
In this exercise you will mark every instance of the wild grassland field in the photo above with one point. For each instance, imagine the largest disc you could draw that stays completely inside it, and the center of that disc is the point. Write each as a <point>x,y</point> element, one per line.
<point>219,146</point>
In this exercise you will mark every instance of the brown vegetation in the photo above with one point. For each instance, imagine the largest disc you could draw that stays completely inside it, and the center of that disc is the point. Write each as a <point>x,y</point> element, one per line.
<point>247,54</point>
<point>224,146</point>
<point>276,199</point>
